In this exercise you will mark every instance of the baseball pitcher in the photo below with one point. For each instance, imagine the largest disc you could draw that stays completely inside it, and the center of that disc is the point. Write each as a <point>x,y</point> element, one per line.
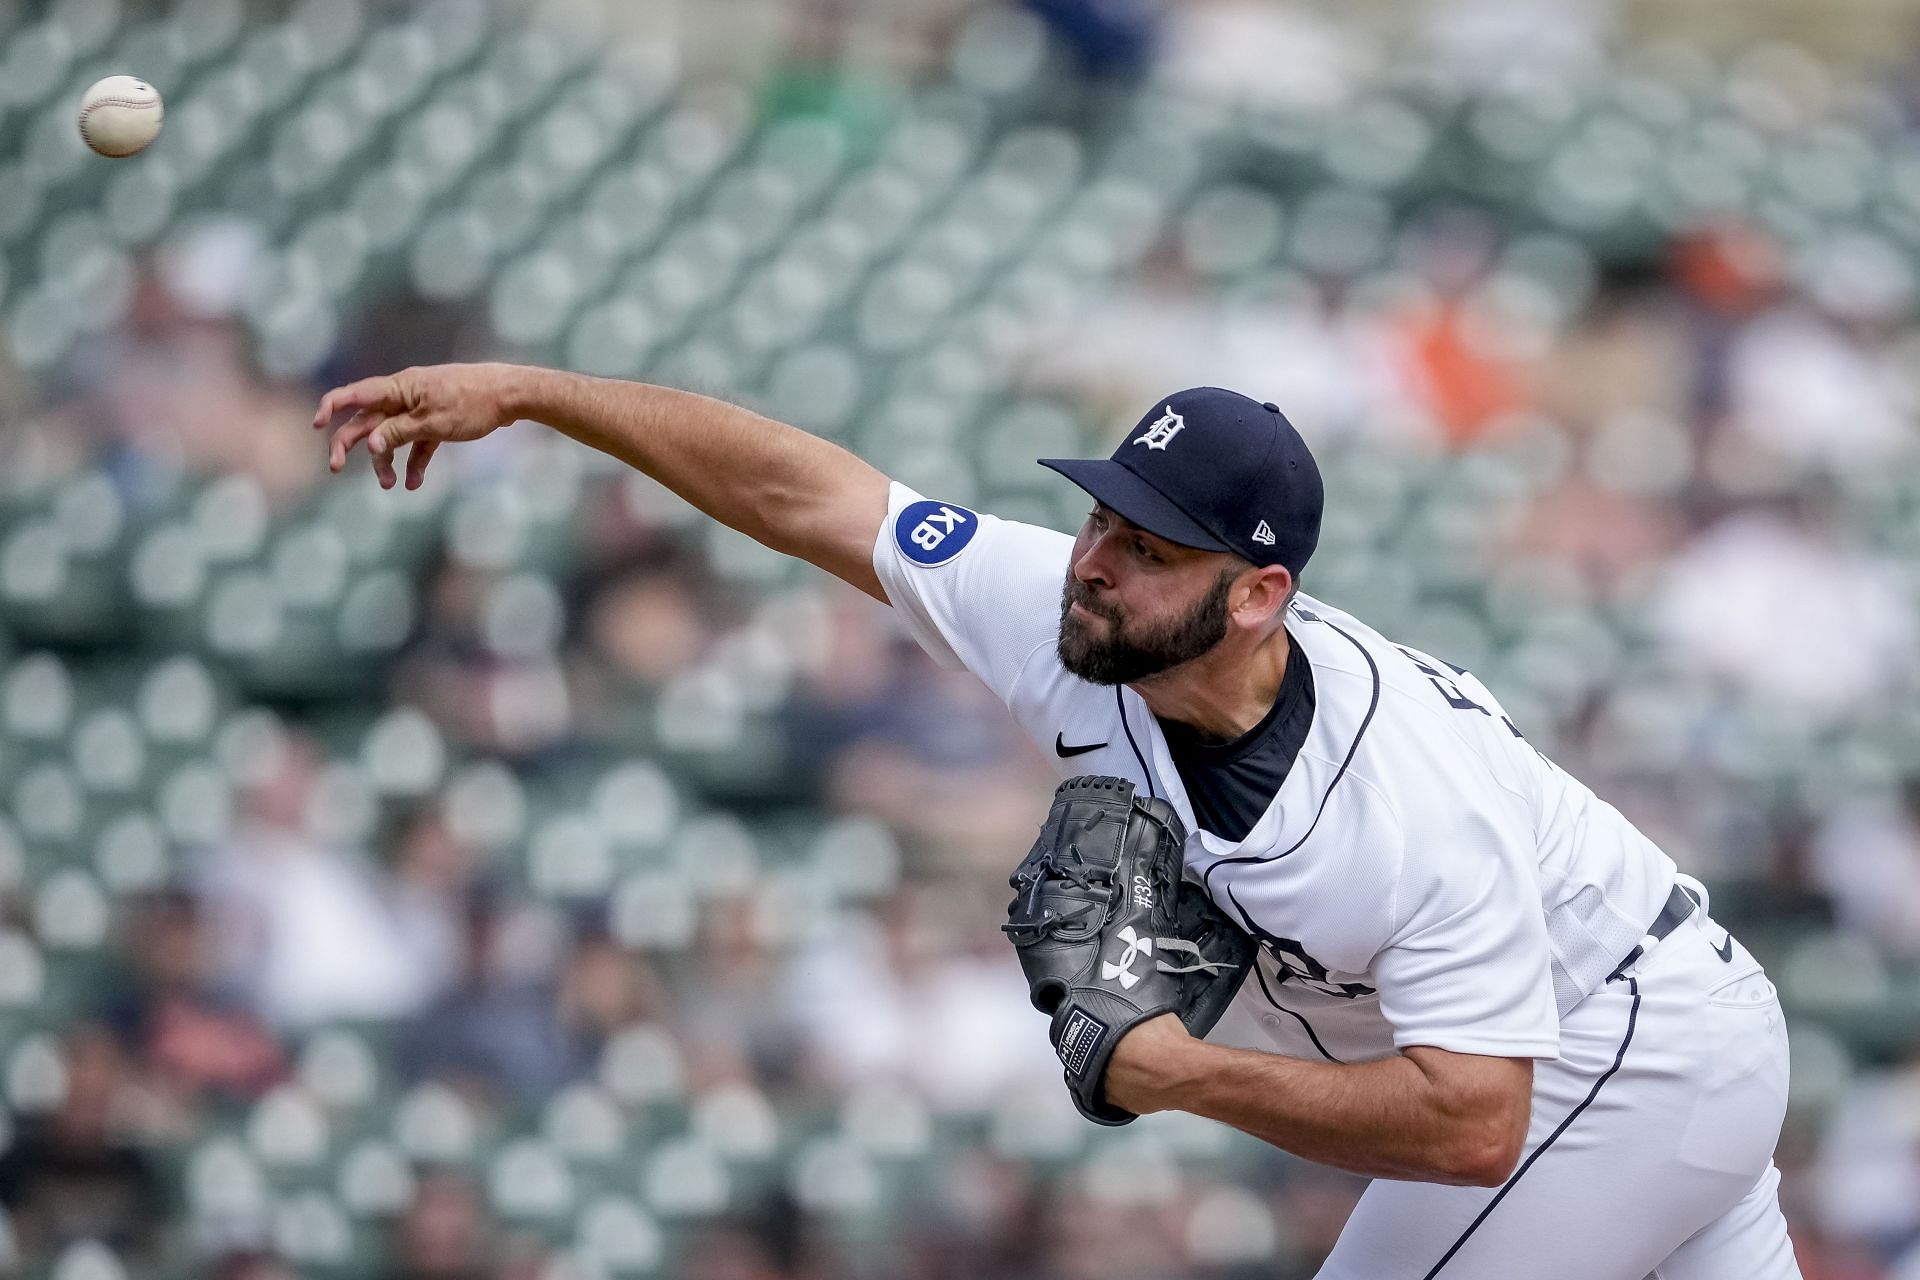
<point>1299,879</point>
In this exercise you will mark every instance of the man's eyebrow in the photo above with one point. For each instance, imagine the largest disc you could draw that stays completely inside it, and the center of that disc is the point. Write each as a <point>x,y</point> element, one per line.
<point>1116,518</point>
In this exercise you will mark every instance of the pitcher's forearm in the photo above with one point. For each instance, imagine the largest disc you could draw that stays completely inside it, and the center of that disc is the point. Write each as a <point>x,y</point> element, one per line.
<point>1376,1118</point>
<point>1391,1118</point>
<point>792,491</point>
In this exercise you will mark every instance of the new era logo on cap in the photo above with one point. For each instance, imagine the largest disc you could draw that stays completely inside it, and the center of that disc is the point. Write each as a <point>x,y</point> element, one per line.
<point>1263,534</point>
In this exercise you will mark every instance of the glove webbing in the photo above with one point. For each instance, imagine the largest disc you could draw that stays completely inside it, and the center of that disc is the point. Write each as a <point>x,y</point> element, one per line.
<point>1030,884</point>
<point>1029,888</point>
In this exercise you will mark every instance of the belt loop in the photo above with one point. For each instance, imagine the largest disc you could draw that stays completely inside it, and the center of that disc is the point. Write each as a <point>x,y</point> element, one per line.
<point>1694,889</point>
<point>1681,905</point>
<point>1626,964</point>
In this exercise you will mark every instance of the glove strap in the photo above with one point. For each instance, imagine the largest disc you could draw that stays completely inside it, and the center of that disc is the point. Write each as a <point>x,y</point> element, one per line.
<point>1200,962</point>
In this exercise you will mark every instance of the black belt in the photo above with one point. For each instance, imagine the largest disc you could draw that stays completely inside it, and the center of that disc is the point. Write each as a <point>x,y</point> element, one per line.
<point>1680,905</point>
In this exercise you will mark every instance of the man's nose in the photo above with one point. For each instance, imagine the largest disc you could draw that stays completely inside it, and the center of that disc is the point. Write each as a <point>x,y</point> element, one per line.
<point>1091,568</point>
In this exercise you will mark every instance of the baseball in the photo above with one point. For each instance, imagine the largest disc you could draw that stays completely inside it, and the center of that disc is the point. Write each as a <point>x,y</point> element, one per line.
<point>120,115</point>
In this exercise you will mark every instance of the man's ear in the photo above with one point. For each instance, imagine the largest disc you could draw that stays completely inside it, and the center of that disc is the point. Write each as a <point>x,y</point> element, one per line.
<point>1262,593</point>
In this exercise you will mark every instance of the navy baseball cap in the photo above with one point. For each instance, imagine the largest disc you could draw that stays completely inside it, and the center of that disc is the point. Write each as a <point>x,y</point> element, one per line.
<point>1212,469</point>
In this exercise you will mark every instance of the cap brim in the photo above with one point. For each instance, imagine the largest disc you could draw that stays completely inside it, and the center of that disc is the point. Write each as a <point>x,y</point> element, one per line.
<point>1124,491</point>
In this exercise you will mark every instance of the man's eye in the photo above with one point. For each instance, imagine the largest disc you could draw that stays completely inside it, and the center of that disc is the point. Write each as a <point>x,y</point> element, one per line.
<point>1146,552</point>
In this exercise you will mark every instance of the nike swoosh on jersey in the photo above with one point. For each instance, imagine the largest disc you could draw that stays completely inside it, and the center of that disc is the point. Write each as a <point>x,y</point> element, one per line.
<point>1725,949</point>
<point>1061,749</point>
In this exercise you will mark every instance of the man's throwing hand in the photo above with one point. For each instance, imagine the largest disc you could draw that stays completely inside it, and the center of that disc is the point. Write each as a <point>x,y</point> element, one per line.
<point>420,408</point>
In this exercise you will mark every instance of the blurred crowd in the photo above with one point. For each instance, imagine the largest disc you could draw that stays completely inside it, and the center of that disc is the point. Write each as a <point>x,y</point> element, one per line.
<point>1728,435</point>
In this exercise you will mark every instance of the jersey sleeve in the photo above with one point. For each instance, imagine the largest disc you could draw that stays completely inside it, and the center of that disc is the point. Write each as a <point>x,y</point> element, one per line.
<point>976,592</point>
<point>1467,967</point>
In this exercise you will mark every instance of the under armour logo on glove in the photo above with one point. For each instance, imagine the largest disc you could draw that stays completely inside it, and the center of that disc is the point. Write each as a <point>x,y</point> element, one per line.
<point>1123,970</point>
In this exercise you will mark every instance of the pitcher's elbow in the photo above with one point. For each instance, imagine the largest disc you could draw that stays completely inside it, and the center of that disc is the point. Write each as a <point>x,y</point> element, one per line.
<point>1484,1159</point>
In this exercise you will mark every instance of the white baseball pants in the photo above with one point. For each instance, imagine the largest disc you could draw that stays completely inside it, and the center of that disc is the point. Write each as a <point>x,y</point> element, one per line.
<point>1650,1152</point>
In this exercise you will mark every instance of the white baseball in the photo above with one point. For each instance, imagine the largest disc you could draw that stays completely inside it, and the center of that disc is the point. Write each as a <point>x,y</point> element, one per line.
<point>120,115</point>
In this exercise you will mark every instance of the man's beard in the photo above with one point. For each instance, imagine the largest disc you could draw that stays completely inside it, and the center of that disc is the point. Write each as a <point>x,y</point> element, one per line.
<point>1124,659</point>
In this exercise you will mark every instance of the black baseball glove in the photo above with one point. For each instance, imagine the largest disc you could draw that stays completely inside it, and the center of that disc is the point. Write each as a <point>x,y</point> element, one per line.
<point>1110,933</point>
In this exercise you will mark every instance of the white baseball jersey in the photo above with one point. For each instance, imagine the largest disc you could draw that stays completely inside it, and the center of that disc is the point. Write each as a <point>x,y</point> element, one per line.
<point>1424,875</point>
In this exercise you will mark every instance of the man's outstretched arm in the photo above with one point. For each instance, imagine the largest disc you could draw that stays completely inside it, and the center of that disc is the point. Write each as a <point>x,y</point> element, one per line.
<point>791,491</point>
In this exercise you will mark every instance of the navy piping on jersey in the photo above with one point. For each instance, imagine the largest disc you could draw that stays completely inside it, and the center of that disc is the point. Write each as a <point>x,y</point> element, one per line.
<point>1145,772</point>
<point>1633,1016</point>
<point>1295,1014</point>
<point>1372,706</point>
<point>1267,991</point>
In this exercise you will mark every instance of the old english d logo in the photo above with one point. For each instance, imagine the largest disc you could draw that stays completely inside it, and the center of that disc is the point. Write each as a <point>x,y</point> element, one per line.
<point>1161,433</point>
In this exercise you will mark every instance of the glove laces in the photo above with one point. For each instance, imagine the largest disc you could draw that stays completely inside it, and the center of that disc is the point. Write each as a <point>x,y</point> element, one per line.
<point>1029,884</point>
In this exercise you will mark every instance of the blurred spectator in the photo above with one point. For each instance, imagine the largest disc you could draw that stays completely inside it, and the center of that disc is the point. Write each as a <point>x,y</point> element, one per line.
<point>731,1012</point>
<point>1461,358</point>
<point>303,930</point>
<point>929,752</point>
<point>464,672</point>
<point>251,1264</point>
<point>987,1216</point>
<point>1110,41</point>
<point>78,1173</point>
<point>1335,363</point>
<point>176,386</point>
<point>516,1024</point>
<point>1822,1257</point>
<point>432,871</point>
<point>192,1039</point>
<point>641,621</point>
<point>604,988</point>
<point>1866,858</point>
<point>498,1028</point>
<point>929,971</point>
<point>1314,1204</point>
<point>1094,1234</point>
<point>1259,52</point>
<point>444,1234</point>
<point>1729,273</point>
<point>731,1253</point>
<point>1804,389</point>
<point>1777,603</point>
<point>1608,537</point>
<point>1868,1168</point>
<point>815,76</point>
<point>523,1255</point>
<point>1633,353</point>
<point>1490,41</point>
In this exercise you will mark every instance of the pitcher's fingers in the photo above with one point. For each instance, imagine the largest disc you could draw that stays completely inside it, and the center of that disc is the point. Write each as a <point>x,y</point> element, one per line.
<point>368,393</point>
<point>417,459</point>
<point>383,468</point>
<point>351,433</point>
<point>393,432</point>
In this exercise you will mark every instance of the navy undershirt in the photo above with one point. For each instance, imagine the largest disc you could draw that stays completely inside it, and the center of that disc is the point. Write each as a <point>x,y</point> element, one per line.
<point>1231,784</point>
